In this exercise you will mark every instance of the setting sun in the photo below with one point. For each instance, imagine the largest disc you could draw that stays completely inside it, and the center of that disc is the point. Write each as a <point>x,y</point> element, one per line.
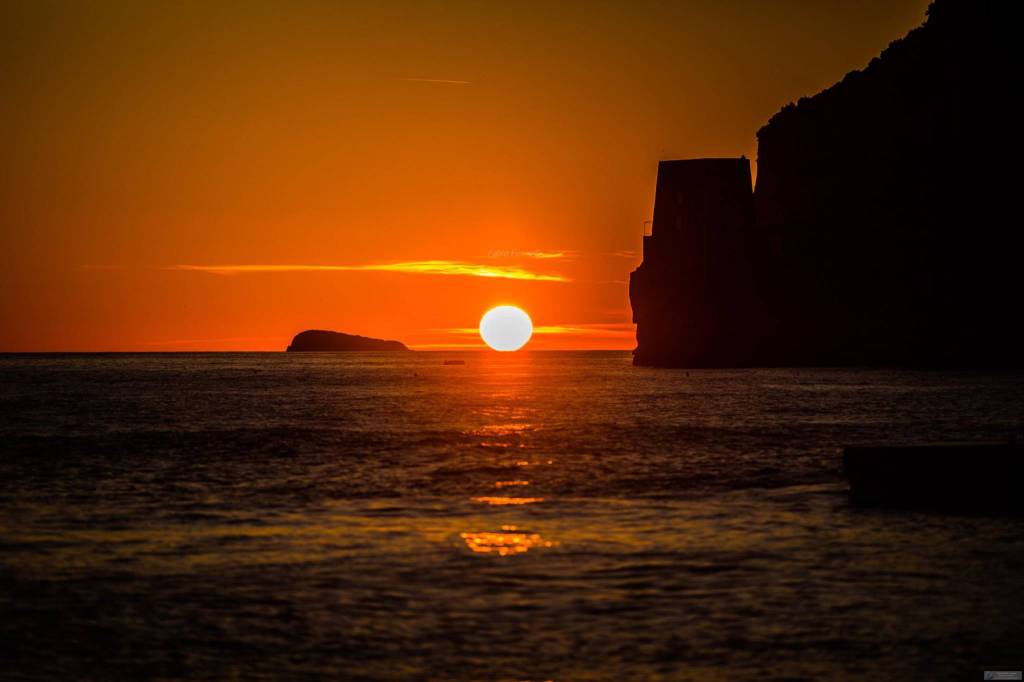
<point>506,328</point>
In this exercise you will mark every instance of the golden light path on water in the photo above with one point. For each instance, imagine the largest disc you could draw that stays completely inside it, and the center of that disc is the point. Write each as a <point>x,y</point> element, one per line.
<point>510,423</point>
<point>504,501</point>
<point>504,543</point>
<point>506,484</point>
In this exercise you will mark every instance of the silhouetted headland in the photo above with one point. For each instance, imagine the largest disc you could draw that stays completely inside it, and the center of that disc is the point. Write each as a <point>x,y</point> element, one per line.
<point>318,340</point>
<point>879,232</point>
<point>964,478</point>
<point>693,292</point>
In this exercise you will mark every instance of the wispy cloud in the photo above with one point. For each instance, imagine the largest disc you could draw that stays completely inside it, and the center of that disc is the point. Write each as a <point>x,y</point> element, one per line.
<point>538,255</point>
<point>599,330</point>
<point>443,81</point>
<point>546,255</point>
<point>605,330</point>
<point>425,267</point>
<point>562,254</point>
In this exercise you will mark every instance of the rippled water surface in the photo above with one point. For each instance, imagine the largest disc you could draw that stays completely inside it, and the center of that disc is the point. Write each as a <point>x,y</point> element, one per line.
<point>533,516</point>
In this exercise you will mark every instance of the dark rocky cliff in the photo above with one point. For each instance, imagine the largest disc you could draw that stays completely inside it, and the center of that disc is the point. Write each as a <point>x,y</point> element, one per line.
<point>881,232</point>
<point>693,293</point>
<point>314,340</point>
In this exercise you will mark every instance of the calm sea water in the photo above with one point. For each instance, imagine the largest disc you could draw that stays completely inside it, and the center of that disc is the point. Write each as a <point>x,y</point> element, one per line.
<point>534,516</point>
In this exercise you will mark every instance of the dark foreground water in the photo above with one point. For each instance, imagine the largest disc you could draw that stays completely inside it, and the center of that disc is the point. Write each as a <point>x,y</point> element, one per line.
<point>534,516</point>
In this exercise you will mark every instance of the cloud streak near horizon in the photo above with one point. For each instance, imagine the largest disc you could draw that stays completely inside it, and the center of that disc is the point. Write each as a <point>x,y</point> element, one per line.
<point>597,330</point>
<point>426,267</point>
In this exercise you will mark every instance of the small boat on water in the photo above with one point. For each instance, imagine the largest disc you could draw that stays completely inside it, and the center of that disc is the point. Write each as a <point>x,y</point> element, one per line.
<point>454,362</point>
<point>969,477</point>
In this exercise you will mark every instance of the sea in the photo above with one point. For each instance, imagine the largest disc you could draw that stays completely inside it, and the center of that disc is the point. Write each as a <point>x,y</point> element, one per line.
<point>520,517</point>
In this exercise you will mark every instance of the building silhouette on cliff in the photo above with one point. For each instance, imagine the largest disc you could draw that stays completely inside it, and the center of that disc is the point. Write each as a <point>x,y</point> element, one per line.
<point>881,230</point>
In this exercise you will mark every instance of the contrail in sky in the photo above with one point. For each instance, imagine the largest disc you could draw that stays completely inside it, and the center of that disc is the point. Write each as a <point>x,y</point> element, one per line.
<point>444,81</point>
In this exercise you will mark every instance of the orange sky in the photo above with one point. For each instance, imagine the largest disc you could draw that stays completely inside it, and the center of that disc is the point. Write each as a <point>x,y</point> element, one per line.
<point>181,177</point>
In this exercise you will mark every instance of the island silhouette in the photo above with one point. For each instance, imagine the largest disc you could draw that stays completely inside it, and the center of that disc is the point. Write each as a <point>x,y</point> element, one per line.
<point>877,233</point>
<point>319,340</point>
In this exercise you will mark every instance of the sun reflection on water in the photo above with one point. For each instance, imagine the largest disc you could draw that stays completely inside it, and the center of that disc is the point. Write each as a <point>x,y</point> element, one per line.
<point>499,501</point>
<point>505,429</point>
<point>508,542</point>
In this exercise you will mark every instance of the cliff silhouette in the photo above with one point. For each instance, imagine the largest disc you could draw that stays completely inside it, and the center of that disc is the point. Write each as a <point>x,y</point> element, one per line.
<point>694,292</point>
<point>878,233</point>
<point>318,340</point>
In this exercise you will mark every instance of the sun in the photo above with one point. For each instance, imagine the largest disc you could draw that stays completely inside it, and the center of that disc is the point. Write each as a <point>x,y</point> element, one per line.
<point>506,328</point>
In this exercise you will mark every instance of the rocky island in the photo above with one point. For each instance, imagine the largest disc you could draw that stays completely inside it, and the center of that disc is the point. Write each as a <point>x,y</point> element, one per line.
<point>318,340</point>
<point>878,232</point>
